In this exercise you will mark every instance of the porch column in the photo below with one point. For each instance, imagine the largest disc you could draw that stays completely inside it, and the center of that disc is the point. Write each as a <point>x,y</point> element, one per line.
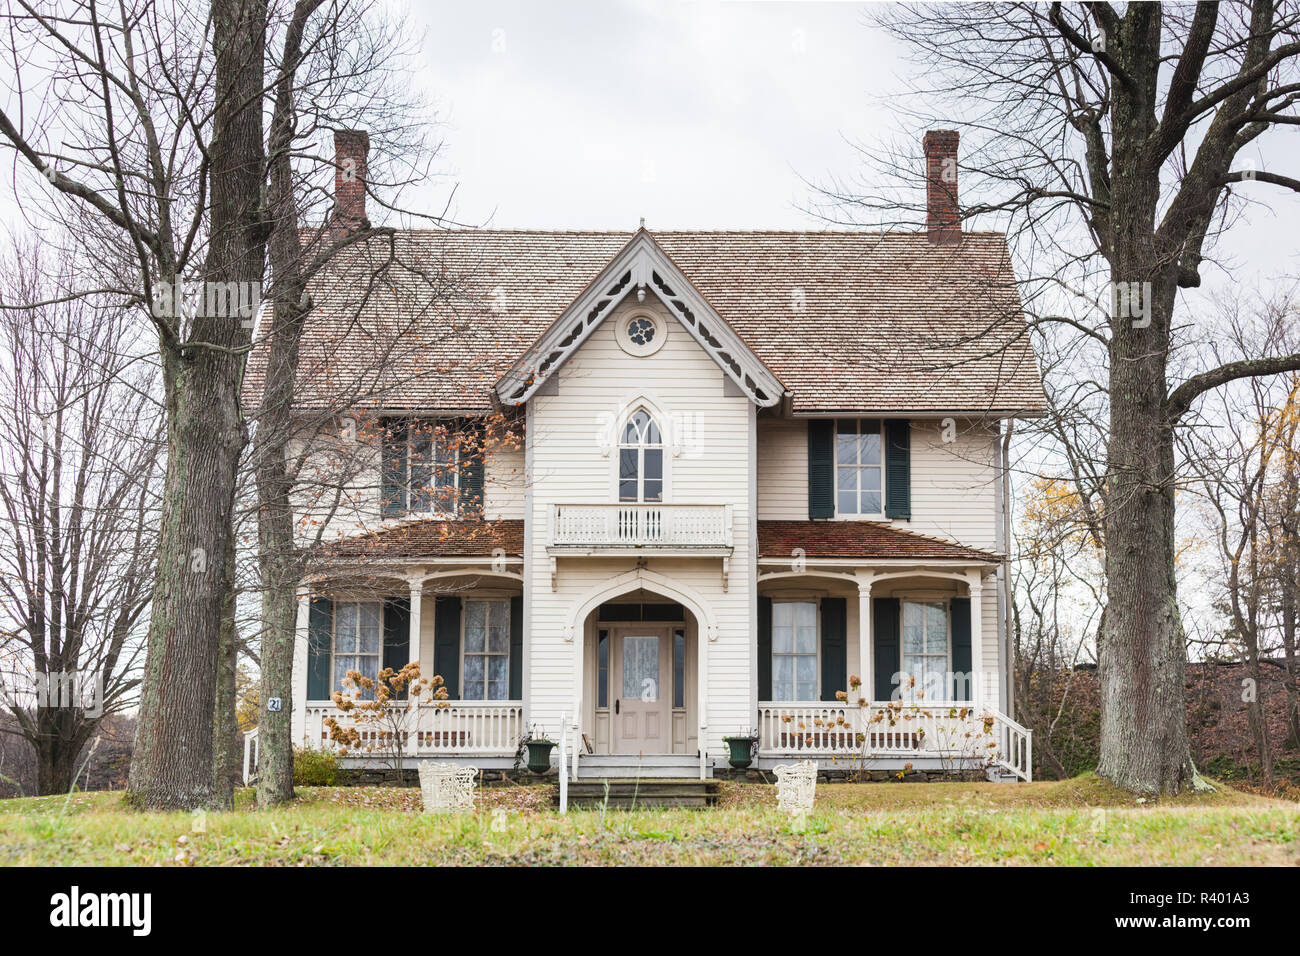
<point>298,684</point>
<point>413,652</point>
<point>417,601</point>
<point>976,584</point>
<point>866,650</point>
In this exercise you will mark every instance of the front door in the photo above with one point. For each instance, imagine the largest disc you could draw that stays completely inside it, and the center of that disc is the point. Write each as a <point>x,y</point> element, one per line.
<point>642,685</point>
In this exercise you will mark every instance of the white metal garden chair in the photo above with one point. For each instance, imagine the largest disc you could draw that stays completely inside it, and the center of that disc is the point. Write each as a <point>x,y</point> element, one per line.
<point>796,786</point>
<point>447,787</point>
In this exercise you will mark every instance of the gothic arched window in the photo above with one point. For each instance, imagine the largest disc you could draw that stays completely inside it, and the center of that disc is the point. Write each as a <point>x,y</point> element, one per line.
<point>641,459</point>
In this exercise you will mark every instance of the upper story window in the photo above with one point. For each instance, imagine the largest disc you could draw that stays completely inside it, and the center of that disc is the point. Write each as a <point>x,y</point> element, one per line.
<point>421,467</point>
<point>641,459</point>
<point>925,650</point>
<point>859,475</point>
<point>794,650</point>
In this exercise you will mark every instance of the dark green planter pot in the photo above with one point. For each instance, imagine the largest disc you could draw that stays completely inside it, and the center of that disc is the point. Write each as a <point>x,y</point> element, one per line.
<point>539,755</point>
<point>742,751</point>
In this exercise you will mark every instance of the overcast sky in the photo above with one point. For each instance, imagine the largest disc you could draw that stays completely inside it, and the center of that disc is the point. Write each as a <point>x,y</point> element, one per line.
<point>590,115</point>
<point>594,114</point>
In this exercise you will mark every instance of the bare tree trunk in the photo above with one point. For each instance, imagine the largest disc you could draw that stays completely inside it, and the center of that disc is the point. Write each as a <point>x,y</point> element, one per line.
<point>227,753</point>
<point>172,764</point>
<point>1143,657</point>
<point>280,561</point>
<point>56,750</point>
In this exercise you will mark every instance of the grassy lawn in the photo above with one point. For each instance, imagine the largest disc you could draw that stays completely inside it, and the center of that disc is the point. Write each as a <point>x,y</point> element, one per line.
<point>1074,822</point>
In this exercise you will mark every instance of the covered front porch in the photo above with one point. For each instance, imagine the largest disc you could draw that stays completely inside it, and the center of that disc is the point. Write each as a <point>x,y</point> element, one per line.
<point>446,594</point>
<point>880,649</point>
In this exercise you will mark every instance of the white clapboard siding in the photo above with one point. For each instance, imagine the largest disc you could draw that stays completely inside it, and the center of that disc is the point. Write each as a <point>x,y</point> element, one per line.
<point>573,463</point>
<point>954,484</point>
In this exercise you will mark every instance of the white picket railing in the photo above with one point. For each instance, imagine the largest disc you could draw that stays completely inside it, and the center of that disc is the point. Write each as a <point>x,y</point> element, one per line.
<point>641,525</point>
<point>953,732</point>
<point>481,727</point>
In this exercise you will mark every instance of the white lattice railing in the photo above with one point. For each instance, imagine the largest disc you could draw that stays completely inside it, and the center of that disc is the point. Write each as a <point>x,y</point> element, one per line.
<point>641,525</point>
<point>462,727</point>
<point>951,732</point>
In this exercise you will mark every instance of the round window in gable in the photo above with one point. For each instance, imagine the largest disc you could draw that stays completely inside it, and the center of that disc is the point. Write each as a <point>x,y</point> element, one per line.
<point>641,334</point>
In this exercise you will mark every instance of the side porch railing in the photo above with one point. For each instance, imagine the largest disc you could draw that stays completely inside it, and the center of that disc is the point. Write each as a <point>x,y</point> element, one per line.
<point>464,727</point>
<point>477,727</point>
<point>954,733</point>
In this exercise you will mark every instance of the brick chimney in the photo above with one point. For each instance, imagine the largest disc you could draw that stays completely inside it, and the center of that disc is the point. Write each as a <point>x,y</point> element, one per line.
<point>942,216</point>
<point>351,146</point>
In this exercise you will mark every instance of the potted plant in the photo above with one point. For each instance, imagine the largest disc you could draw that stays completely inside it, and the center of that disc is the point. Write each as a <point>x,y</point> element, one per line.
<point>741,747</point>
<point>539,753</point>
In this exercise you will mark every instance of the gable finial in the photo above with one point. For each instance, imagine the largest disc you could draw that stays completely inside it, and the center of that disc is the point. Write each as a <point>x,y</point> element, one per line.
<point>643,222</point>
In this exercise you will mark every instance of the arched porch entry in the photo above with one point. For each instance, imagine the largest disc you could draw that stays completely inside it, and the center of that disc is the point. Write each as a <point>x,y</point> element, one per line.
<point>642,661</point>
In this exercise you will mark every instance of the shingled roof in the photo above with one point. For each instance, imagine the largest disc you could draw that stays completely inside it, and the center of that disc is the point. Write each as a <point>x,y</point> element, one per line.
<point>431,538</point>
<point>847,321</point>
<point>776,539</point>
<point>858,539</point>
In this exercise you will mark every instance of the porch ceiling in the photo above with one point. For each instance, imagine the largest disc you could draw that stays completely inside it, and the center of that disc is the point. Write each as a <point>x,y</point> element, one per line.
<point>858,540</point>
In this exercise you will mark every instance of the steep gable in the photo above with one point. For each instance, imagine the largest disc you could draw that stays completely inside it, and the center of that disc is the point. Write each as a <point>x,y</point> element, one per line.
<point>641,268</point>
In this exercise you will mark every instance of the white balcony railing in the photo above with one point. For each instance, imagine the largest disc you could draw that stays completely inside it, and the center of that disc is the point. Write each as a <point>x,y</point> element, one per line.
<point>955,733</point>
<point>479,727</point>
<point>641,526</point>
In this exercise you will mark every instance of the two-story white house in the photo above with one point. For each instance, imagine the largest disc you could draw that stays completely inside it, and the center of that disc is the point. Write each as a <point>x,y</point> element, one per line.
<point>729,482</point>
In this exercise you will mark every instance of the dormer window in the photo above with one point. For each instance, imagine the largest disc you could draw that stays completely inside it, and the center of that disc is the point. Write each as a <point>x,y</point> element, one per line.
<point>641,459</point>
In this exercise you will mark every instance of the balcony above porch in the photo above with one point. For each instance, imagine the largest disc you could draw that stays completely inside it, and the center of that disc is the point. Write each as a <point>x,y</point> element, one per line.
<point>637,528</point>
<point>634,529</point>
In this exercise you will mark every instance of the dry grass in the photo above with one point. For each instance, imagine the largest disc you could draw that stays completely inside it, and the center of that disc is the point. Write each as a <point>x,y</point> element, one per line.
<point>1076,822</point>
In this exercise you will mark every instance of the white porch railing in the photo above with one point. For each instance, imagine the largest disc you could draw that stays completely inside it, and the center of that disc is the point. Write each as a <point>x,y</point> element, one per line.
<point>951,732</point>
<point>480,727</point>
<point>641,525</point>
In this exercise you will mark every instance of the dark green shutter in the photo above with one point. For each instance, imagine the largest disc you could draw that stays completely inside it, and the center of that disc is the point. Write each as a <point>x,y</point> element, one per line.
<point>446,643</point>
<point>885,635</point>
<point>517,647</point>
<point>835,648</point>
<point>821,468</point>
<point>898,468</point>
<point>320,624</point>
<point>392,491</point>
<point>471,470</point>
<point>397,634</point>
<point>764,648</point>
<point>961,656</point>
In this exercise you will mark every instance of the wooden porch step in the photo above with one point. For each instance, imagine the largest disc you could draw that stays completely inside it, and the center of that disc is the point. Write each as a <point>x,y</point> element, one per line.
<point>653,792</point>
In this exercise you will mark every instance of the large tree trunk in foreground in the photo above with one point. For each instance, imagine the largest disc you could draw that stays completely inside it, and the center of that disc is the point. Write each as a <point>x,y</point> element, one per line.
<point>1143,656</point>
<point>172,765</point>
<point>280,562</point>
<point>227,753</point>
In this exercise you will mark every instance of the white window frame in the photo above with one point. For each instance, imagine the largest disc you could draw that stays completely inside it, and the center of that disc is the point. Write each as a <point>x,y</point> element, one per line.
<point>946,603</point>
<point>835,459</point>
<point>465,653</point>
<point>335,653</point>
<point>641,447</point>
<point>817,649</point>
